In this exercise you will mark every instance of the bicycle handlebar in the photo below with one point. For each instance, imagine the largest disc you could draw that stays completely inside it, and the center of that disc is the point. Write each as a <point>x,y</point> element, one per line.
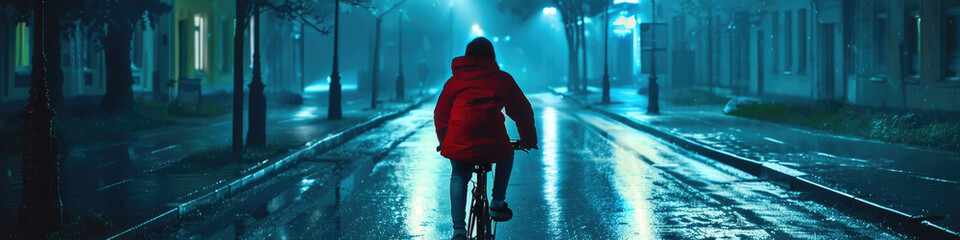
<point>517,146</point>
<point>514,142</point>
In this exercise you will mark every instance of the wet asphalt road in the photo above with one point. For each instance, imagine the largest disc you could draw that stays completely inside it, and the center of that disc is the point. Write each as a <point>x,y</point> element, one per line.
<point>592,179</point>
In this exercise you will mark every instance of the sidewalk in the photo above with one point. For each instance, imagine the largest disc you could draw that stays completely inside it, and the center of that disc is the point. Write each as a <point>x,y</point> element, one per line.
<point>909,179</point>
<point>120,179</point>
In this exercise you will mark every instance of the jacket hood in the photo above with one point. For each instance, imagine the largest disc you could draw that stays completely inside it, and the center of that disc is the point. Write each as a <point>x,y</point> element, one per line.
<point>473,67</point>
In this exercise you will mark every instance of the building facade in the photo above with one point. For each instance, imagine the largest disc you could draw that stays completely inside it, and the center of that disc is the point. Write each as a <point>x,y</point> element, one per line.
<point>879,53</point>
<point>194,41</point>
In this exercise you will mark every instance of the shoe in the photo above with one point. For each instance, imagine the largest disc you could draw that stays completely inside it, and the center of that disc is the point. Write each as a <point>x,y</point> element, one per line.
<point>501,214</point>
<point>459,237</point>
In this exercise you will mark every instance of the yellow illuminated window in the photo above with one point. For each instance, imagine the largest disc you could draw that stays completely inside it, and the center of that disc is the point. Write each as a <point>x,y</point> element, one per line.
<point>200,40</point>
<point>22,51</point>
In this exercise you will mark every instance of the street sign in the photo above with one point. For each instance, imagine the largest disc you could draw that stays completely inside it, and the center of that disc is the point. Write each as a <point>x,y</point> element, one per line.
<point>653,34</point>
<point>647,37</point>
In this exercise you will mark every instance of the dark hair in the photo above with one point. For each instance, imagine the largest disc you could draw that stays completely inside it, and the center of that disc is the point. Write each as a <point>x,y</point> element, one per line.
<point>481,47</point>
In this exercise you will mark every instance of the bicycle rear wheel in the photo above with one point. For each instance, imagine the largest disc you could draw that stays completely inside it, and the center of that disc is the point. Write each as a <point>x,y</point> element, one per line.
<point>480,222</point>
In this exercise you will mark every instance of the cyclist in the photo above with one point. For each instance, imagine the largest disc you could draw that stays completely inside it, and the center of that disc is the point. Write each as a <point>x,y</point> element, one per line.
<point>470,127</point>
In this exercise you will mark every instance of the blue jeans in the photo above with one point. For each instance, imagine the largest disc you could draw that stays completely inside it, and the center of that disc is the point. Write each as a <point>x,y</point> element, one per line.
<point>461,175</point>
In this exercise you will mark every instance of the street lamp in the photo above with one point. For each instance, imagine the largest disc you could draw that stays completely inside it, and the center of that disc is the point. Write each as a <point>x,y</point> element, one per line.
<point>335,110</point>
<point>653,104</point>
<point>477,30</point>
<point>40,210</point>
<point>549,10</point>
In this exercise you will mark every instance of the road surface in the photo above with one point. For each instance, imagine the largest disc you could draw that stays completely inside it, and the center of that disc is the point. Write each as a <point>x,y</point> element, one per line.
<point>592,179</point>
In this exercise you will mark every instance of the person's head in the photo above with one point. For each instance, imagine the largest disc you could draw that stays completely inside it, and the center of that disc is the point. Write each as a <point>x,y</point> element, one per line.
<point>481,47</point>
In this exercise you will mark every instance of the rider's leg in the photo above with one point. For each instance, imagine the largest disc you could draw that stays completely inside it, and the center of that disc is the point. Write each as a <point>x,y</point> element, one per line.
<point>500,180</point>
<point>459,177</point>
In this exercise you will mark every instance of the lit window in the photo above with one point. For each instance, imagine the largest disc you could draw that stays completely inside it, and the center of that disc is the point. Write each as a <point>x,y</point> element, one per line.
<point>251,41</point>
<point>22,51</point>
<point>913,44</point>
<point>200,42</point>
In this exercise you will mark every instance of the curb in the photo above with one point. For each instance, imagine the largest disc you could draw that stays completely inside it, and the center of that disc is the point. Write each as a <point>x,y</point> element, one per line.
<point>793,180</point>
<point>250,180</point>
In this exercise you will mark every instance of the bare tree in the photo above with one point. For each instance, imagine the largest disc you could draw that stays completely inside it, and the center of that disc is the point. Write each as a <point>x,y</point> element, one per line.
<point>572,14</point>
<point>378,10</point>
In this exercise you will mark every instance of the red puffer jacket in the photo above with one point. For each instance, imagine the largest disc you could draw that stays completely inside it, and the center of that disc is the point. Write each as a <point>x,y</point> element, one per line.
<point>468,118</point>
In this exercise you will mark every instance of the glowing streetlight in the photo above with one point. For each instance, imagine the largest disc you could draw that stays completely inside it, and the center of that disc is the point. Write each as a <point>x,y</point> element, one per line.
<point>476,30</point>
<point>549,10</point>
<point>626,22</point>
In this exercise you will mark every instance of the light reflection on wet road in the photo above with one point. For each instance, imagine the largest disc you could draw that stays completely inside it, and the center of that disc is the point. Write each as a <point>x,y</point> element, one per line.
<point>592,179</point>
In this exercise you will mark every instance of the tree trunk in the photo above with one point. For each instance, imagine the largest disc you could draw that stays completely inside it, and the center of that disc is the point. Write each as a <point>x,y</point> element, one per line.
<point>239,27</point>
<point>119,96</point>
<point>572,56</point>
<point>583,47</point>
<point>53,50</point>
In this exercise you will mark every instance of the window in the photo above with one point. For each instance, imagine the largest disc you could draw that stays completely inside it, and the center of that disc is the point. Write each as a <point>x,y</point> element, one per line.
<point>22,54</point>
<point>4,62</point>
<point>776,42</point>
<point>741,41</point>
<point>21,61</point>
<point>951,42</point>
<point>912,48</point>
<point>200,41</point>
<point>880,45</point>
<point>715,61</point>
<point>802,40</point>
<point>226,35</point>
<point>787,41</point>
<point>136,55</point>
<point>250,32</point>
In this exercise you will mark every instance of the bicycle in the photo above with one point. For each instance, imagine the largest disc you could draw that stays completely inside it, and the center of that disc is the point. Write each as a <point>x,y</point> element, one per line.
<point>479,218</point>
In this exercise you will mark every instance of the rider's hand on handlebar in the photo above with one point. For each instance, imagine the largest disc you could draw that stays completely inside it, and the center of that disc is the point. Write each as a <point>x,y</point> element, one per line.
<point>525,146</point>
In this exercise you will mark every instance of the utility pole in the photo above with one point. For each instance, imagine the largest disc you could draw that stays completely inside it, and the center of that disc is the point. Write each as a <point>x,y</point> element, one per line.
<point>400,55</point>
<point>334,111</point>
<point>257,132</point>
<point>40,211</point>
<point>376,63</point>
<point>653,106</point>
<point>606,77</point>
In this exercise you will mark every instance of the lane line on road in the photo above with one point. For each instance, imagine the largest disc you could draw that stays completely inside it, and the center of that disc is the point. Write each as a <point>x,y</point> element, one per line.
<point>773,140</point>
<point>115,184</point>
<point>164,149</point>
